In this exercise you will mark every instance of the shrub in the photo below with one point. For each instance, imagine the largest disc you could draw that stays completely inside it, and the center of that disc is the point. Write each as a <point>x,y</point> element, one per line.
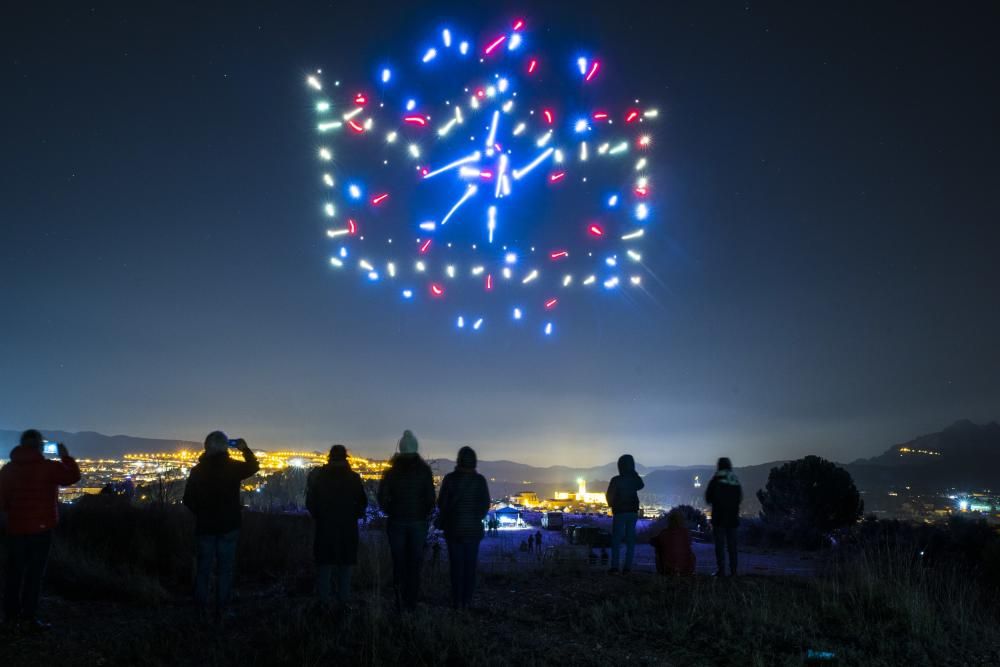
<point>809,498</point>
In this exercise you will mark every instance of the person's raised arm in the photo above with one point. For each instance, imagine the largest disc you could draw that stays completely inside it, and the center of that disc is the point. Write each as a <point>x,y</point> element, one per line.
<point>250,465</point>
<point>67,470</point>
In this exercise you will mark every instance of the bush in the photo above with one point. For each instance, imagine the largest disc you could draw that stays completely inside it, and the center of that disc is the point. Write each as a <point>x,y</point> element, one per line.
<point>809,498</point>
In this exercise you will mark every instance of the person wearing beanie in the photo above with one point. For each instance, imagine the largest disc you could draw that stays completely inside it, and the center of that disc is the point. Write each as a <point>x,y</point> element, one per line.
<point>29,494</point>
<point>623,498</point>
<point>212,493</point>
<point>724,494</point>
<point>336,499</point>
<point>463,502</point>
<point>406,497</point>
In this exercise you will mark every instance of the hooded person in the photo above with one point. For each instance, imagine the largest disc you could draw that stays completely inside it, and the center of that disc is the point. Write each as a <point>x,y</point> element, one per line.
<point>623,498</point>
<point>212,493</point>
<point>672,545</point>
<point>463,502</point>
<point>406,497</point>
<point>336,499</point>
<point>724,494</point>
<point>29,494</point>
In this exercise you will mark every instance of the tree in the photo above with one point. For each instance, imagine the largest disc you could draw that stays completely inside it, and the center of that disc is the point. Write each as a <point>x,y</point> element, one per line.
<point>810,497</point>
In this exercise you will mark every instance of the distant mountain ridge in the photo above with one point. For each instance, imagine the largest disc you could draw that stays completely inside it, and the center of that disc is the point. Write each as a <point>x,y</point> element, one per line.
<point>93,445</point>
<point>963,455</point>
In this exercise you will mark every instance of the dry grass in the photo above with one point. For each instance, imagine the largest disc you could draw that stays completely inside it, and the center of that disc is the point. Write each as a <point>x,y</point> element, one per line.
<point>879,609</point>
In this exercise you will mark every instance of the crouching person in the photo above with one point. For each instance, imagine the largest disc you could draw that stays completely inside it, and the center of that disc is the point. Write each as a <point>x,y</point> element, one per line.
<point>29,493</point>
<point>336,500</point>
<point>212,493</point>
<point>674,555</point>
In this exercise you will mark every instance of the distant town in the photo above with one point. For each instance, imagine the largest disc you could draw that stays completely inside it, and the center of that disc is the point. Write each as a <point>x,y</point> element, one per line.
<point>146,470</point>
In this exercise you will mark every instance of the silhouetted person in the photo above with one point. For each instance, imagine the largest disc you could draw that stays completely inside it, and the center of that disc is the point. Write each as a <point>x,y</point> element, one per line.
<point>463,502</point>
<point>623,498</point>
<point>29,493</point>
<point>674,555</point>
<point>212,493</point>
<point>604,557</point>
<point>538,542</point>
<point>406,496</point>
<point>724,494</point>
<point>531,543</point>
<point>336,499</point>
<point>435,555</point>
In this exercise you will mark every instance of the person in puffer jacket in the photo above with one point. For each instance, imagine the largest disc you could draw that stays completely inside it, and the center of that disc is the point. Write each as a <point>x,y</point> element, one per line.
<point>29,494</point>
<point>406,496</point>
<point>623,497</point>
<point>212,493</point>
<point>724,494</point>
<point>463,502</point>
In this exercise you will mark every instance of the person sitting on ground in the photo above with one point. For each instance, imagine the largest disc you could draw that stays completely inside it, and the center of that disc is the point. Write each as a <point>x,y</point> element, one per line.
<point>336,499</point>
<point>674,555</point>
<point>29,494</point>
<point>725,494</point>
<point>623,498</point>
<point>463,501</point>
<point>212,493</point>
<point>406,496</point>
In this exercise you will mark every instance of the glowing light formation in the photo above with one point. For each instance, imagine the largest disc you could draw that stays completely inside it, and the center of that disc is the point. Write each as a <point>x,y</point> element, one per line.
<point>476,149</point>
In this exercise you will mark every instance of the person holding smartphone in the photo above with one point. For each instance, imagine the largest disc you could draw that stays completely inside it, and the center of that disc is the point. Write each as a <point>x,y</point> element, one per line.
<point>212,493</point>
<point>29,494</point>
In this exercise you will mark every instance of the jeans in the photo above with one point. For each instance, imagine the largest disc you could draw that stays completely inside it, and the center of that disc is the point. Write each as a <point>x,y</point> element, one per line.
<point>725,536</point>
<point>26,557</point>
<point>220,551</point>
<point>623,526</point>
<point>406,543</point>
<point>324,574</point>
<point>462,556</point>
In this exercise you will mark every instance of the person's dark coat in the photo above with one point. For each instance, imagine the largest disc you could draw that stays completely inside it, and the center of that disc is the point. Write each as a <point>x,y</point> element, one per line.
<point>336,499</point>
<point>623,491</point>
<point>724,494</point>
<point>213,491</point>
<point>406,492</point>
<point>29,489</point>
<point>463,502</point>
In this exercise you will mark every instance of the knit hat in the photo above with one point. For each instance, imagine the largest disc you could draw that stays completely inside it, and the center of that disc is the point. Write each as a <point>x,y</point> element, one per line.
<point>408,443</point>
<point>216,442</point>
<point>466,458</point>
<point>338,453</point>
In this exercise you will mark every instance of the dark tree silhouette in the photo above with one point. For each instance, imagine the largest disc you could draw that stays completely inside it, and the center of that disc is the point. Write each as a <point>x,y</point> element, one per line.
<point>809,497</point>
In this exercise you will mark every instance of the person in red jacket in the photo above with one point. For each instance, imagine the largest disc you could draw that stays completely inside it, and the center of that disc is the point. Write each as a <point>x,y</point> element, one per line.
<point>29,494</point>
<point>674,555</point>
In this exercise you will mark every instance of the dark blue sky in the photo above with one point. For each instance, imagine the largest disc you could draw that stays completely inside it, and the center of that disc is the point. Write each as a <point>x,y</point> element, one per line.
<point>827,237</point>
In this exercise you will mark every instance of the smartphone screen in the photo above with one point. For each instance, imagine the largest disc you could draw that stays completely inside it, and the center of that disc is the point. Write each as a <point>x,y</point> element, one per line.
<point>50,449</point>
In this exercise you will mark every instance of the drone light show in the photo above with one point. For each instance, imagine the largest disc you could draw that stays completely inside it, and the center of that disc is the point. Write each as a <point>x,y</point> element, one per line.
<point>488,179</point>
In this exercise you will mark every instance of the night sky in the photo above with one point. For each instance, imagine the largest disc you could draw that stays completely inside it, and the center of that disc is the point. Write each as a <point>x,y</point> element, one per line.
<point>825,243</point>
